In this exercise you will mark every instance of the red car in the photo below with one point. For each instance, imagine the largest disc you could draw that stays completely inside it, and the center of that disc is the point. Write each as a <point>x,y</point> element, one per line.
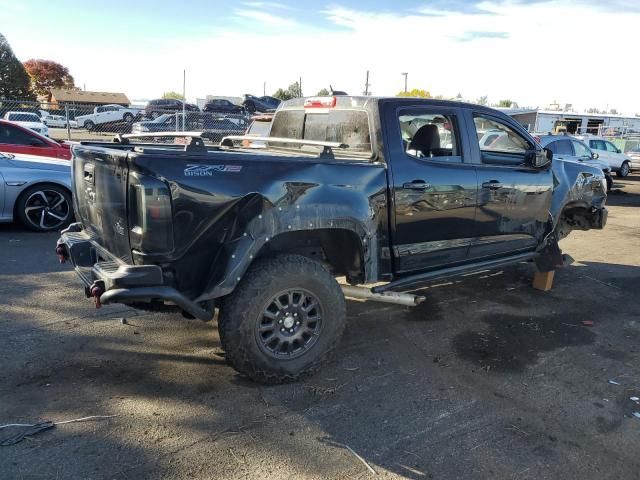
<point>17,139</point>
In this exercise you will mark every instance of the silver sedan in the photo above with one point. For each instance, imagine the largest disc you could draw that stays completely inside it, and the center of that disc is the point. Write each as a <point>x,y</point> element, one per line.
<point>35,191</point>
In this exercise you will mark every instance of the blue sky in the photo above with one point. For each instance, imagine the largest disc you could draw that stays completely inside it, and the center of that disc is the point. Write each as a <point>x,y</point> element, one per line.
<point>502,48</point>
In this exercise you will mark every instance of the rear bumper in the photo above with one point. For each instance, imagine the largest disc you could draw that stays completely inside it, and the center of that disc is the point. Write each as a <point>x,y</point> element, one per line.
<point>109,280</point>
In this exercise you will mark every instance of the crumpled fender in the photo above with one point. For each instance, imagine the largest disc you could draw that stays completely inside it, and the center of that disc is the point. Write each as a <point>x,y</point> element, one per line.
<point>576,185</point>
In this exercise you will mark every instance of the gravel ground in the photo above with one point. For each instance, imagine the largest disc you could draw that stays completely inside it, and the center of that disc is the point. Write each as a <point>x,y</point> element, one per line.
<point>487,379</point>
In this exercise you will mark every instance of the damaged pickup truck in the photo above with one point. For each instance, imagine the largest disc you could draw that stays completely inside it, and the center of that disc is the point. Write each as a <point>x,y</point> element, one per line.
<point>386,191</point>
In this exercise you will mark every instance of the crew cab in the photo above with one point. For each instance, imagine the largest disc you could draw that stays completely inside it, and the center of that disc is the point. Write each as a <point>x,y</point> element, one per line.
<point>106,114</point>
<point>395,192</point>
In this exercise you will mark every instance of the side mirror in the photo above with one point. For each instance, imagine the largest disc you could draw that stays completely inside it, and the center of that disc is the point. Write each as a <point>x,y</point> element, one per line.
<point>595,155</point>
<point>538,158</point>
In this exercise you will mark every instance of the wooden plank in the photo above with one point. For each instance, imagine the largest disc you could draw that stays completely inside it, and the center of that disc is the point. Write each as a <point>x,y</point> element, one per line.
<point>543,280</point>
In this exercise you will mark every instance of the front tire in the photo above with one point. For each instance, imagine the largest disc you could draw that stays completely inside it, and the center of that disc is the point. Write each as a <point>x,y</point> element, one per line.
<point>624,170</point>
<point>283,320</point>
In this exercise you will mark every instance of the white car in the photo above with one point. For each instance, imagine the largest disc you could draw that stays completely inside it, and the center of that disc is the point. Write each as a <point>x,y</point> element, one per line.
<point>58,121</point>
<point>619,162</point>
<point>106,114</point>
<point>28,120</point>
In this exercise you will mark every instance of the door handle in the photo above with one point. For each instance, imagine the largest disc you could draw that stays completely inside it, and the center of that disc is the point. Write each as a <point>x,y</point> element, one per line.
<point>492,185</point>
<point>417,185</point>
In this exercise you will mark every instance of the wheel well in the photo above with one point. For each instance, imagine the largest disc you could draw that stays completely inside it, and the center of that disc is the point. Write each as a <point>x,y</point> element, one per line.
<point>38,184</point>
<point>339,250</point>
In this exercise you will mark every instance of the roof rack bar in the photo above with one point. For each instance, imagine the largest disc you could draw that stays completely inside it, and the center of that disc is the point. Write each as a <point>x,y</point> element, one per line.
<point>294,141</point>
<point>159,134</point>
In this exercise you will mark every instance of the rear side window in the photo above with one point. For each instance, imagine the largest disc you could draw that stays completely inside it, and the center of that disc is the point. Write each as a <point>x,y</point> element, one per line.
<point>344,126</point>
<point>430,134</point>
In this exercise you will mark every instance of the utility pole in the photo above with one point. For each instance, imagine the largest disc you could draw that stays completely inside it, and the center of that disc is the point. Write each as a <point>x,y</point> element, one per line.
<point>366,85</point>
<point>264,89</point>
<point>300,86</point>
<point>184,99</point>
<point>405,80</point>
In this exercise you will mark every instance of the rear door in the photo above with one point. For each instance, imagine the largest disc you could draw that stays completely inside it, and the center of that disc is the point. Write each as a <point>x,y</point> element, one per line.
<point>513,199</point>
<point>433,186</point>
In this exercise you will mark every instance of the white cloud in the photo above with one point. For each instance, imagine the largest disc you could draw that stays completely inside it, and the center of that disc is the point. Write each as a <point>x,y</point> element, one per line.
<point>556,50</point>
<point>264,18</point>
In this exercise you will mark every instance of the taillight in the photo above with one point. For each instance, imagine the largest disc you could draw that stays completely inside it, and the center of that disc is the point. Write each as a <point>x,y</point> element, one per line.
<point>150,215</point>
<point>320,102</point>
<point>537,139</point>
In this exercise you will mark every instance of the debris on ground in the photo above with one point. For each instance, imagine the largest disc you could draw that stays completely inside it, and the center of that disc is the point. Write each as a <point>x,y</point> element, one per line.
<point>613,382</point>
<point>636,414</point>
<point>635,399</point>
<point>30,429</point>
<point>363,460</point>
<point>587,323</point>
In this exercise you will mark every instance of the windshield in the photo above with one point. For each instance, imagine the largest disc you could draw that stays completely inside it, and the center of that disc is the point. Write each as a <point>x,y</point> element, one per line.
<point>23,117</point>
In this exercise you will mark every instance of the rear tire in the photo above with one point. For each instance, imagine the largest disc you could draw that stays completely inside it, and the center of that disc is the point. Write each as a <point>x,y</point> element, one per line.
<point>625,168</point>
<point>45,208</point>
<point>283,320</point>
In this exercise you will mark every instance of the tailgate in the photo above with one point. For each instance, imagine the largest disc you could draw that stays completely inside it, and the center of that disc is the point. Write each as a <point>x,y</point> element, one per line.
<point>100,191</point>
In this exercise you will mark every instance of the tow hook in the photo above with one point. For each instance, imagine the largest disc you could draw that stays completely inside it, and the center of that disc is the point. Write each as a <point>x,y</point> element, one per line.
<point>96,291</point>
<point>62,254</point>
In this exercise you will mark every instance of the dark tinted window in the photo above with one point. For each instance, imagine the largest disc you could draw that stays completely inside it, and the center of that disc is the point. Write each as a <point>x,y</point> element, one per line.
<point>14,136</point>
<point>561,147</point>
<point>344,126</point>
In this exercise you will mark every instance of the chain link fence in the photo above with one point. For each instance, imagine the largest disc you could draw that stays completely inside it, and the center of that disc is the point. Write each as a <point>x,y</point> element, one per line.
<point>78,122</point>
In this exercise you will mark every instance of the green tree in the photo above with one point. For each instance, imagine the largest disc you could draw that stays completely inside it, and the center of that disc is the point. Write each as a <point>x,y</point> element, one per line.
<point>47,74</point>
<point>292,91</point>
<point>482,100</point>
<point>323,93</point>
<point>14,80</point>
<point>507,104</point>
<point>171,95</point>
<point>416,92</point>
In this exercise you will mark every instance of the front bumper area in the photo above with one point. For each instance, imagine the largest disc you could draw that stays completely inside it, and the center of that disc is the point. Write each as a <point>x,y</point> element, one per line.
<point>109,280</point>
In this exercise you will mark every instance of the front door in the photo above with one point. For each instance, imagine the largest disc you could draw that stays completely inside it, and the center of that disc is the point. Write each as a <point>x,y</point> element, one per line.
<point>433,187</point>
<point>513,198</point>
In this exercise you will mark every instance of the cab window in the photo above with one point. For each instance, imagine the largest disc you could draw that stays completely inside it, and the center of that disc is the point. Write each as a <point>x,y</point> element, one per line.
<point>611,147</point>
<point>430,134</point>
<point>560,147</point>
<point>581,150</point>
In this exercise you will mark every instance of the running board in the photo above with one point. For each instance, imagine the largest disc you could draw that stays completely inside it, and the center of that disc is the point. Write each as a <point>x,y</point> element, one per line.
<point>414,281</point>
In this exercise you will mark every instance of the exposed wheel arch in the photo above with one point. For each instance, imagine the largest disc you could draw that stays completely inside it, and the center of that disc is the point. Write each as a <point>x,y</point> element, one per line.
<point>340,250</point>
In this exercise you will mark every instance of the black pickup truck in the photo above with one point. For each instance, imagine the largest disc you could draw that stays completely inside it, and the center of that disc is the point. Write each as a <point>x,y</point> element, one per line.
<point>386,191</point>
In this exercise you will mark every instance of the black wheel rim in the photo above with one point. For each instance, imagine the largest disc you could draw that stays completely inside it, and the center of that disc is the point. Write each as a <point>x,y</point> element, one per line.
<point>290,324</point>
<point>46,209</point>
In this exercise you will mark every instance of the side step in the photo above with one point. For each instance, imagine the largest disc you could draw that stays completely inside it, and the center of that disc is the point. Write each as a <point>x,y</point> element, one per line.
<point>415,281</point>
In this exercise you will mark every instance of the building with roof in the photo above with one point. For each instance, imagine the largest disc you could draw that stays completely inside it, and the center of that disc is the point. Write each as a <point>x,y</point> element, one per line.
<point>556,121</point>
<point>82,97</point>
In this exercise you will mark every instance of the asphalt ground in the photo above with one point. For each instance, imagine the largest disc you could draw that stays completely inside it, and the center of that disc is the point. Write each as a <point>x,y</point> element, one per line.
<point>488,379</point>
